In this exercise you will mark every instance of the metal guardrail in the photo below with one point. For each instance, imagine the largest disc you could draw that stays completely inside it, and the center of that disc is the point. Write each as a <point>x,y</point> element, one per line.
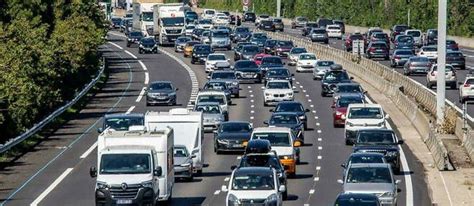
<point>37,127</point>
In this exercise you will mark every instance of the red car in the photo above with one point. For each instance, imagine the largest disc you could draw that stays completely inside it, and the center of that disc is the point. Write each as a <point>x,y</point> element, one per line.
<point>341,102</point>
<point>258,58</point>
<point>350,38</point>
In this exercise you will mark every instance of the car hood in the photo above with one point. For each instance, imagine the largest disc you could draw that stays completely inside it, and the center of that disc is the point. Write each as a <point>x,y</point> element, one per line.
<point>234,135</point>
<point>181,160</point>
<point>368,188</point>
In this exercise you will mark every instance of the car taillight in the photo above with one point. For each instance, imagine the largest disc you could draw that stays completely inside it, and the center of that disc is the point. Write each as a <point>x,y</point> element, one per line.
<point>467,85</point>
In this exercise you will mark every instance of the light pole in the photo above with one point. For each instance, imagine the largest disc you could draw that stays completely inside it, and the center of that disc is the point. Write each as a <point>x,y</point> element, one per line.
<point>441,77</point>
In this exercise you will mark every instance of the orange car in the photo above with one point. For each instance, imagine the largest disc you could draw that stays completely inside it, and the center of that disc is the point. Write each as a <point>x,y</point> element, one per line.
<point>188,48</point>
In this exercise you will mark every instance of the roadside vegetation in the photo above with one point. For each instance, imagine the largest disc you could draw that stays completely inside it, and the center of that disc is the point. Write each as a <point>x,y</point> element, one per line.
<point>368,13</point>
<point>48,52</point>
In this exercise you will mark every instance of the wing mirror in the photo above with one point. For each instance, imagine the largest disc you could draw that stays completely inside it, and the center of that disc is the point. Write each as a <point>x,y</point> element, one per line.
<point>93,172</point>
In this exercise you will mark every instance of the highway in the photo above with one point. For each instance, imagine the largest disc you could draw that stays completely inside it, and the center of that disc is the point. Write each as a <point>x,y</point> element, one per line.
<point>64,179</point>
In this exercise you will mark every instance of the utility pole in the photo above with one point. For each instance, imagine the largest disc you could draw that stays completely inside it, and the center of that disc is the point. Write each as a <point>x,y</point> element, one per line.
<point>278,8</point>
<point>441,77</point>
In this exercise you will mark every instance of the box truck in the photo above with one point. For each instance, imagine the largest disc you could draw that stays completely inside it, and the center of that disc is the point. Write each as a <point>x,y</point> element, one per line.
<point>143,15</point>
<point>187,126</point>
<point>168,22</point>
<point>134,166</point>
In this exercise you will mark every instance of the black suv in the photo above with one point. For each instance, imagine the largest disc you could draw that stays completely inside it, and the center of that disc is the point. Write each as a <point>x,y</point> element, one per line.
<point>200,53</point>
<point>382,141</point>
<point>334,76</point>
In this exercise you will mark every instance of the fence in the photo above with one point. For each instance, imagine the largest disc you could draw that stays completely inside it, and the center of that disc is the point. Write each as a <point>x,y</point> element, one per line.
<point>37,127</point>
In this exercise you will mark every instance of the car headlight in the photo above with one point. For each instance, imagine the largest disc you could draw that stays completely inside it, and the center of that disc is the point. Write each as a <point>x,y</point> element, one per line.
<point>233,200</point>
<point>147,184</point>
<point>272,199</point>
<point>102,185</point>
<point>387,194</point>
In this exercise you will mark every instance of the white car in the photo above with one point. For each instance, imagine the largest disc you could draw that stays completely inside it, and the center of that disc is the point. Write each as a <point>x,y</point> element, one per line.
<point>260,18</point>
<point>215,61</point>
<point>214,96</point>
<point>466,89</point>
<point>430,52</point>
<point>306,62</point>
<point>334,31</point>
<point>221,19</point>
<point>432,76</point>
<point>188,31</point>
<point>363,116</point>
<point>282,141</point>
<point>276,91</point>
<point>208,13</point>
<point>254,186</point>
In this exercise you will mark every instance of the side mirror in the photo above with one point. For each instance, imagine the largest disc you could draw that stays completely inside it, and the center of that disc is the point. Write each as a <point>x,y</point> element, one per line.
<point>265,122</point>
<point>398,182</point>
<point>340,181</point>
<point>100,130</point>
<point>343,166</point>
<point>400,142</point>
<point>282,188</point>
<point>233,167</point>
<point>387,116</point>
<point>157,172</point>
<point>297,143</point>
<point>93,172</point>
<point>224,188</point>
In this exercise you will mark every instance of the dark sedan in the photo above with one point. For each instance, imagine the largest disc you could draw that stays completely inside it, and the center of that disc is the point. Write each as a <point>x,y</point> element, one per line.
<point>293,106</point>
<point>232,136</point>
<point>247,70</point>
<point>456,59</point>
<point>290,120</point>
<point>161,92</point>
<point>283,48</point>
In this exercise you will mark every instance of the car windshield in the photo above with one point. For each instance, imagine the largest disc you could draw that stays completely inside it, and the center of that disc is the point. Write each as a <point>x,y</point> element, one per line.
<point>278,72</point>
<point>307,57</point>
<point>251,49</point>
<point>376,137</point>
<point>160,86</point>
<point>242,30</point>
<point>180,152</point>
<point>284,119</point>
<point>413,33</point>
<point>123,123</point>
<point>208,109</point>
<point>324,63</point>
<point>345,101</point>
<point>125,164</point>
<point>212,98</point>
<point>336,76</point>
<point>349,88</point>
<point>216,57</point>
<point>253,182</point>
<point>365,113</point>
<point>275,138</point>
<point>271,60</point>
<point>220,33</point>
<point>223,75</point>
<point>289,108</point>
<point>403,52</point>
<point>260,161</point>
<point>202,48</point>
<point>246,64</point>
<point>285,43</point>
<point>236,127</point>
<point>173,21</point>
<point>278,85</point>
<point>298,51</point>
<point>366,159</point>
<point>454,54</point>
<point>369,175</point>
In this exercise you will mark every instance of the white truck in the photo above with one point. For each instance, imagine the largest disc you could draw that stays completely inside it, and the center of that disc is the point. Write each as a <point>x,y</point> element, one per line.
<point>188,131</point>
<point>134,166</point>
<point>143,15</point>
<point>168,22</point>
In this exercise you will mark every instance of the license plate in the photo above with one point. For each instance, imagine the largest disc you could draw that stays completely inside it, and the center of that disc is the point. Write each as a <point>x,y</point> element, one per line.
<point>124,201</point>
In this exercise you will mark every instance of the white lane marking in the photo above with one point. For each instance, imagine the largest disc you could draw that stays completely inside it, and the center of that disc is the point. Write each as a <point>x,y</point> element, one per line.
<point>88,151</point>
<point>51,187</point>
<point>226,179</point>
<point>316,179</point>
<point>320,157</point>
<point>311,191</point>
<point>116,45</point>
<point>217,192</point>
<point>318,168</point>
<point>130,110</point>
<point>140,96</point>
<point>130,53</point>
<point>143,65</point>
<point>147,78</point>
<point>320,148</point>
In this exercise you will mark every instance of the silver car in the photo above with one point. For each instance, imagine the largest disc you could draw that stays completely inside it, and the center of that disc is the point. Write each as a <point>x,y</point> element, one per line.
<point>373,178</point>
<point>220,38</point>
<point>212,115</point>
<point>183,162</point>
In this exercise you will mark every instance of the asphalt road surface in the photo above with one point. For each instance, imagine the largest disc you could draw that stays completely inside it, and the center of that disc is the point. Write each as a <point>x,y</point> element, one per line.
<point>65,179</point>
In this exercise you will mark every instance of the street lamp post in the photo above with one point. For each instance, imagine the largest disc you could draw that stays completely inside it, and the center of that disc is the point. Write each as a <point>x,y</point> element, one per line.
<point>441,77</point>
